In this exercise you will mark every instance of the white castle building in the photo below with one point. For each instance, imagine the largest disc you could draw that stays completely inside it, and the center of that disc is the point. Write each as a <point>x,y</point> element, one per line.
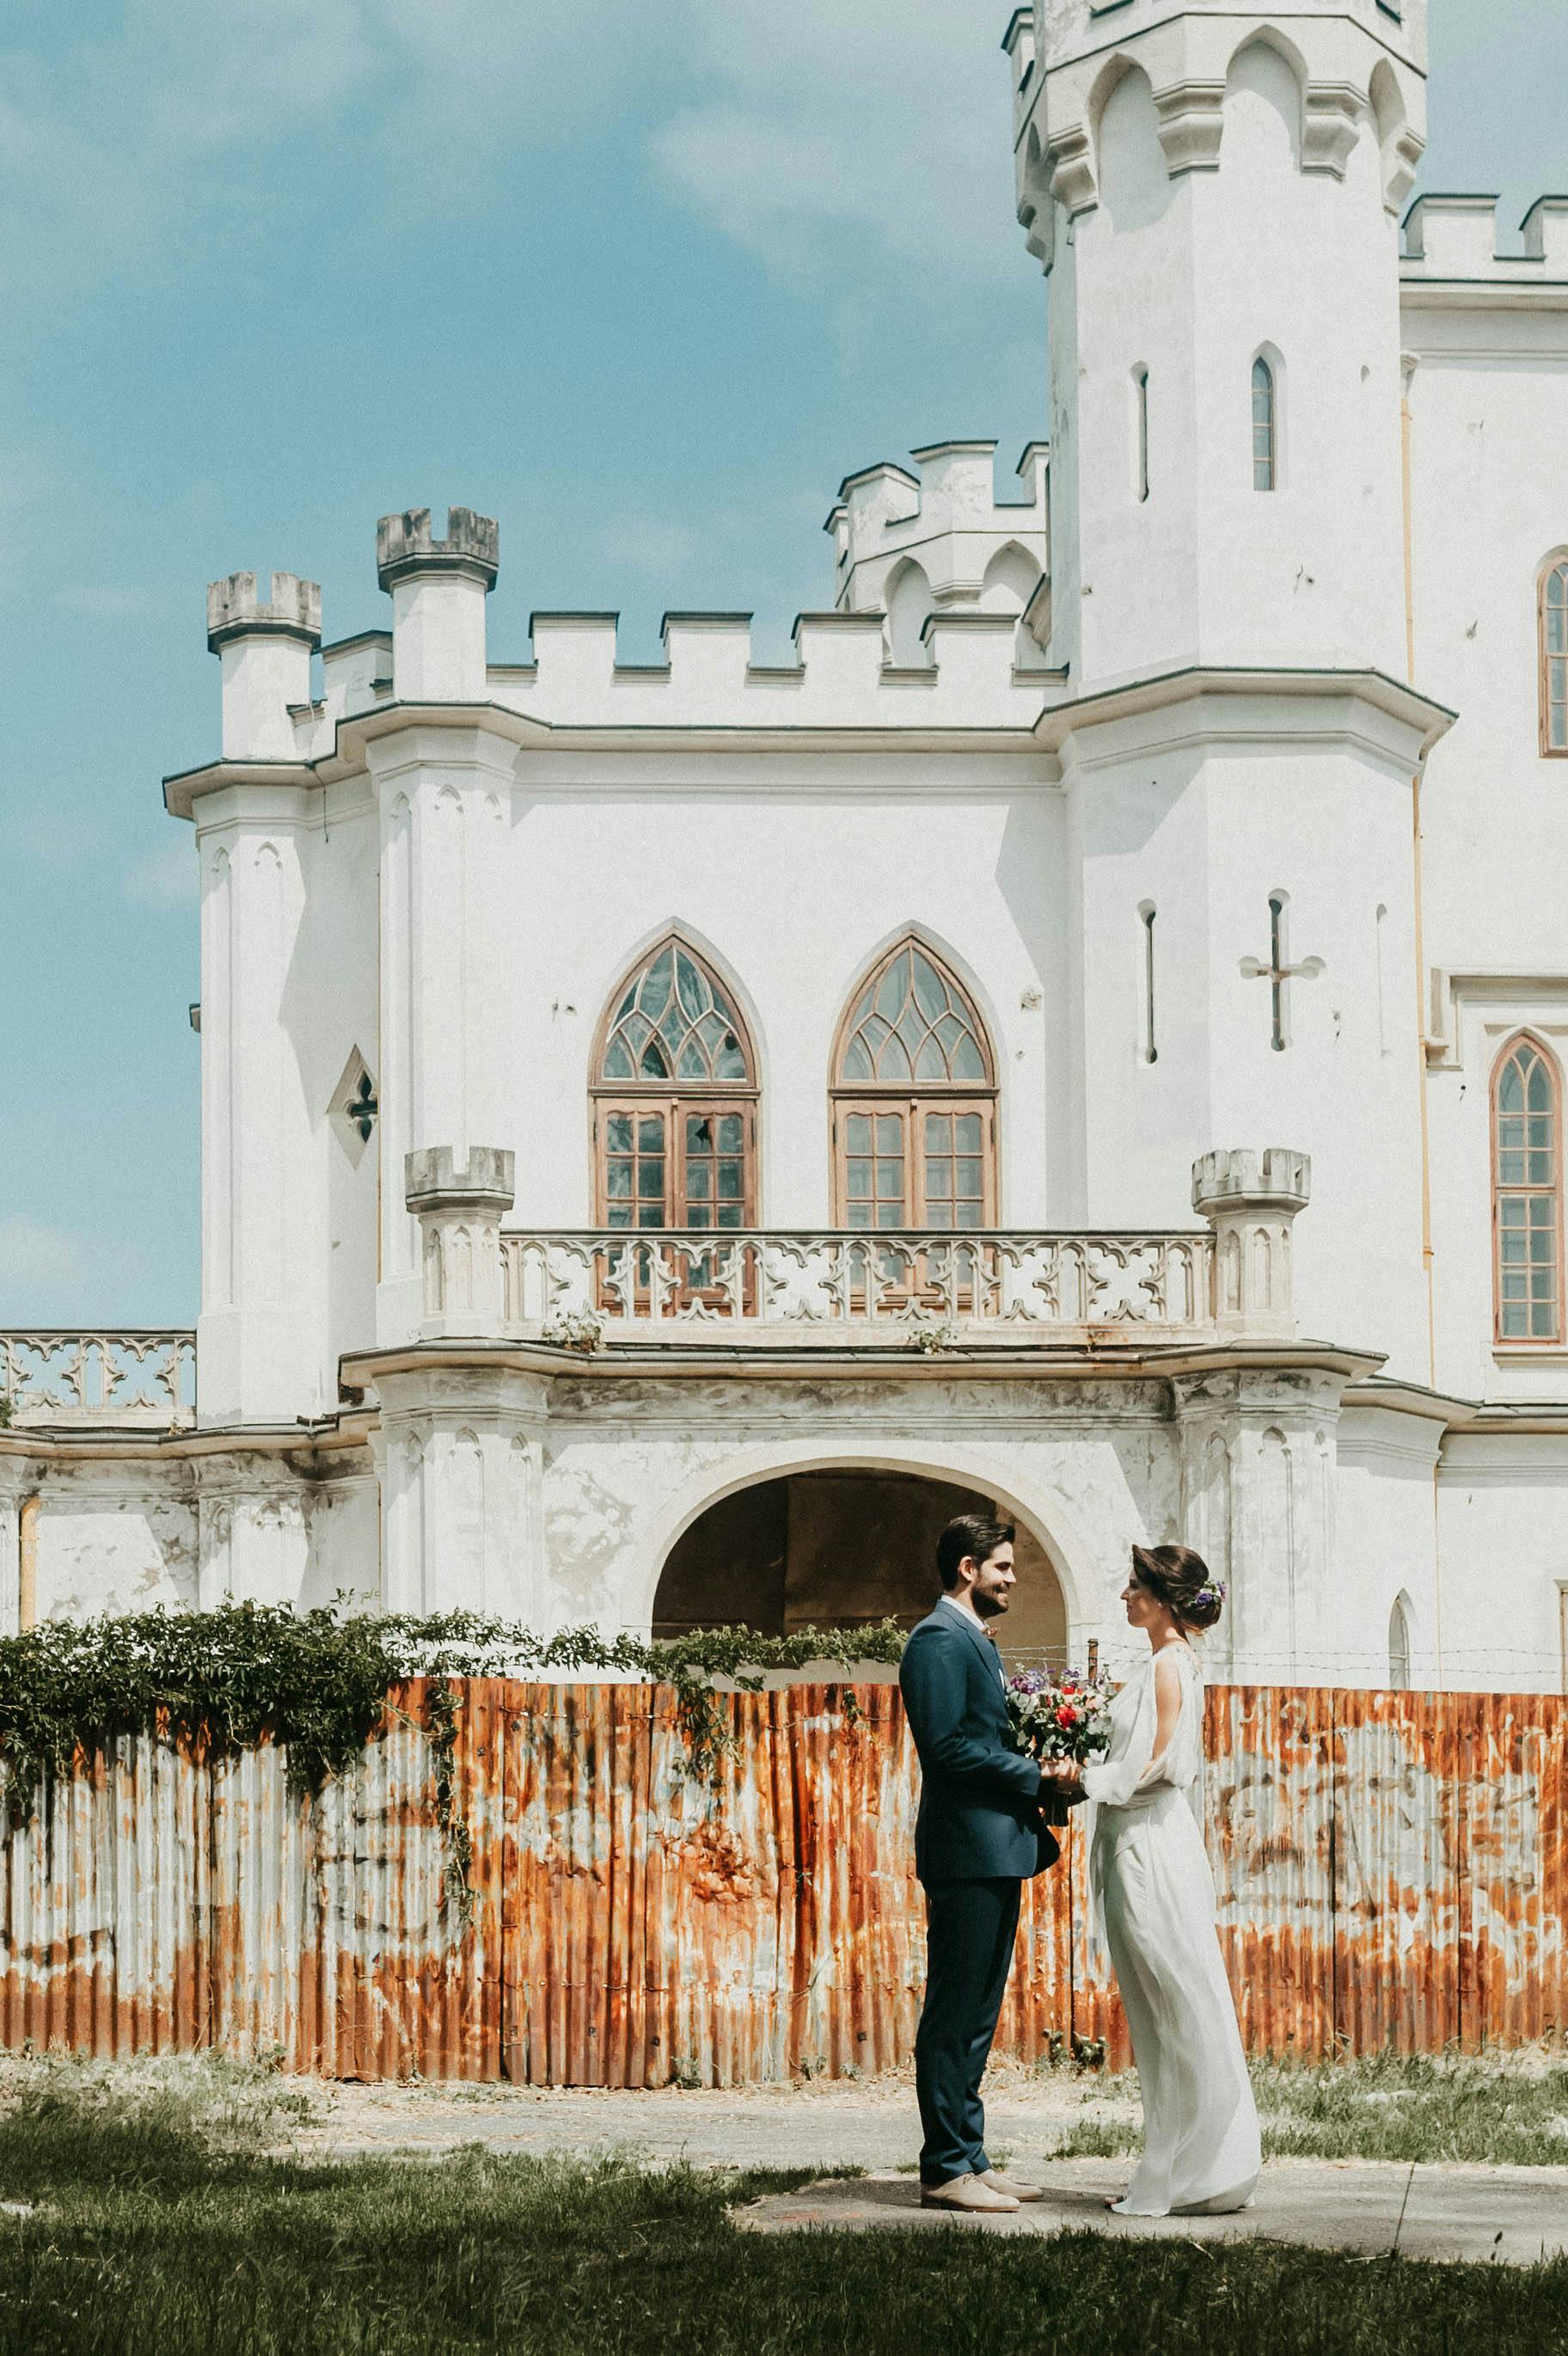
<point>1088,1035</point>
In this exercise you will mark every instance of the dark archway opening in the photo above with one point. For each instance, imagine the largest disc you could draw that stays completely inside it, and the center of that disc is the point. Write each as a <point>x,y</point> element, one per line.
<point>841,1550</point>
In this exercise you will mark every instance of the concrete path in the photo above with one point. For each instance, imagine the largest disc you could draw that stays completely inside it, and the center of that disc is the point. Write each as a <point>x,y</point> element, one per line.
<point>831,2126</point>
<point>1509,2215</point>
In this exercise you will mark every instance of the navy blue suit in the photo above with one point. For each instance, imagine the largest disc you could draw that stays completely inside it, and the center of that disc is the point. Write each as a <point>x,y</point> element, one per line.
<point>979,1834</point>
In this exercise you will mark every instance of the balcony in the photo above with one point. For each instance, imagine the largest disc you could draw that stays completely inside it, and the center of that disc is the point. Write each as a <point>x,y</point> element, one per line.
<point>130,1381</point>
<point>923,1290</point>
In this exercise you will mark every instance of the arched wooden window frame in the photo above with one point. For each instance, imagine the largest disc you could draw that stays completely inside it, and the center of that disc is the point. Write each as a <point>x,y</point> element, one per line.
<point>1550,1190</point>
<point>912,1103</point>
<point>675,1107</point>
<point>1552,631</point>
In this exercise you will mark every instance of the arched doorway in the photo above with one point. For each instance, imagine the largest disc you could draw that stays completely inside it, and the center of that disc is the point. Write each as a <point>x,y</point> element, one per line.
<point>842,1549</point>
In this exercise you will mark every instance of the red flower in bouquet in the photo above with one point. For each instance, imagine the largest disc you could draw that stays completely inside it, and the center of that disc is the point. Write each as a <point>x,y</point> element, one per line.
<point>1059,1718</point>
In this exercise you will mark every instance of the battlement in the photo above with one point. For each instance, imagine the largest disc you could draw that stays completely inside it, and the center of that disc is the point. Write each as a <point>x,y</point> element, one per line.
<point>1355,61</point>
<point>1457,237</point>
<point>1056,32</point>
<point>956,667</point>
<point>235,609</point>
<point>967,679</point>
<point>405,546</point>
<point>908,545</point>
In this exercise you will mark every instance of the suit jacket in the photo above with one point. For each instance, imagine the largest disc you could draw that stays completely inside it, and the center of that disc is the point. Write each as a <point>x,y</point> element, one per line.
<point>980,1815</point>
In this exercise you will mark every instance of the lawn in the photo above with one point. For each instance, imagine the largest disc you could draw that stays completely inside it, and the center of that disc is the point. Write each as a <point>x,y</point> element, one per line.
<point>163,2222</point>
<point>1508,2110</point>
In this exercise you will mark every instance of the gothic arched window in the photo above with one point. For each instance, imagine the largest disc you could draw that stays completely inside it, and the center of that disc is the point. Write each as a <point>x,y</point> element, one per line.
<point>1554,659</point>
<point>675,1100</point>
<point>914,1111</point>
<point>1527,1200</point>
<point>1266,424</point>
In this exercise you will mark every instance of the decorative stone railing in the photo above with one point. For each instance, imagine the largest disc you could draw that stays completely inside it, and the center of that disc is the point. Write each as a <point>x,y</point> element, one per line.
<point>145,1382</point>
<point>932,1287</point>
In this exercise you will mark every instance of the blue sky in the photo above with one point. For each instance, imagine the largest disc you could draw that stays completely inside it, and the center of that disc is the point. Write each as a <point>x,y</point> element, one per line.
<point>641,279</point>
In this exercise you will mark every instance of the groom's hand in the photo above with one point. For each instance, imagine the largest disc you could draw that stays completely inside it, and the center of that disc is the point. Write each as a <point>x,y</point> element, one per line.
<point>1062,1781</point>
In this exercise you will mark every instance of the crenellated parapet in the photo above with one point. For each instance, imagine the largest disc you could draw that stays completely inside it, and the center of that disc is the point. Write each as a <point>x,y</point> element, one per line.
<point>960,567</point>
<point>264,645</point>
<point>1361,67</point>
<point>910,545</point>
<point>965,677</point>
<point>1459,239</point>
<point>405,546</point>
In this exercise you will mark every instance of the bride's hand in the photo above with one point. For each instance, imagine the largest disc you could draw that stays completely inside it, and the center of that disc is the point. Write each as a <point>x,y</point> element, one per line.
<point>1066,1775</point>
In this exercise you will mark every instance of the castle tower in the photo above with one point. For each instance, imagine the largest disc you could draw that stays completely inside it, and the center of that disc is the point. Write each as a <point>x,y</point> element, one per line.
<point>1215,192</point>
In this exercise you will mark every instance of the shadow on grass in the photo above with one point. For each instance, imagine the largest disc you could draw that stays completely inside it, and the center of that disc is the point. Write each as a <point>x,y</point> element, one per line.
<point>170,2226</point>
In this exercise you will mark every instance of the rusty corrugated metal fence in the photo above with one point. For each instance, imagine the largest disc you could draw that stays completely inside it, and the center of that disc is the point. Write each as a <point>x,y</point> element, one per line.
<point>1392,1869</point>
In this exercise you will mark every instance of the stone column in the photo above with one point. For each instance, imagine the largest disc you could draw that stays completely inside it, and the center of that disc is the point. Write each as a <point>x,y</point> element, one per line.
<point>253,1535</point>
<point>445,800</point>
<point>460,1457</point>
<point>1259,1485</point>
<point>261,1332</point>
<point>1251,1201</point>
<point>459,1212</point>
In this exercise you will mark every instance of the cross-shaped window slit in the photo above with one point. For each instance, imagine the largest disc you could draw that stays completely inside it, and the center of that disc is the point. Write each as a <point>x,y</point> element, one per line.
<point>1279,972</point>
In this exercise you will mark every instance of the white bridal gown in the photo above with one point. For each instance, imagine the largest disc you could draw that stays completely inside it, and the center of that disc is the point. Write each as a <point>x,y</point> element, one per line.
<point>1155,1895</point>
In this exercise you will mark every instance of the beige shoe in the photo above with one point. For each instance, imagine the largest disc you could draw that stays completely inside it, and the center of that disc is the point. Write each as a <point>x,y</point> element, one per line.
<point>968,2196</point>
<point>1011,2185</point>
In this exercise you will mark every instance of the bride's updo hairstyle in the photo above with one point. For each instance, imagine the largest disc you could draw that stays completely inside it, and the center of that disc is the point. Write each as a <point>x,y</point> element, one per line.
<point>1180,1579</point>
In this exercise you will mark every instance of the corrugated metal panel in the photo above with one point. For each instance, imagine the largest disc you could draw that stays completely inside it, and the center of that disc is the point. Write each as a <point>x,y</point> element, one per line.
<point>1388,1868</point>
<point>1397,1810</point>
<point>1270,1815</point>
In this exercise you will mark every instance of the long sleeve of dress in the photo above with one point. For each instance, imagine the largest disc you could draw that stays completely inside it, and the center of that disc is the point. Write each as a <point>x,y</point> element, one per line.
<point>1112,1781</point>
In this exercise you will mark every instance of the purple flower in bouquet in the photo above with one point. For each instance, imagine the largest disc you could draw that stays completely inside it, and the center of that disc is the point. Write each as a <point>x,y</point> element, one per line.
<point>1065,1717</point>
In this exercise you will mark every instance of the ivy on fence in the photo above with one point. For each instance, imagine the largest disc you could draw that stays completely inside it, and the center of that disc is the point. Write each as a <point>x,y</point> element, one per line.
<point>318,1682</point>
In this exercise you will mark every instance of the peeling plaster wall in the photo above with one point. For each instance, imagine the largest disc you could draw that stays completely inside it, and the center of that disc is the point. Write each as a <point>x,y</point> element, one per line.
<point>114,1538</point>
<point>1088,1468</point>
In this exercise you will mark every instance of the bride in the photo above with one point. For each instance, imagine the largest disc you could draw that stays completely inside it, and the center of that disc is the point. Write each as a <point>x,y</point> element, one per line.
<point>1154,1896</point>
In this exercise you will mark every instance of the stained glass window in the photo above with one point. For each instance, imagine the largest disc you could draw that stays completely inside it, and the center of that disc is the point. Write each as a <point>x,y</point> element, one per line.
<point>1527,1204</point>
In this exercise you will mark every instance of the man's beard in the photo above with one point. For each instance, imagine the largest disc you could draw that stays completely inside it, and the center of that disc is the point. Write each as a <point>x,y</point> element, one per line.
<point>991,1606</point>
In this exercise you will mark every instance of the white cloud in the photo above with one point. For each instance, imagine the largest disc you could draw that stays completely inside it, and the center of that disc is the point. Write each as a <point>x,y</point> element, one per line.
<point>851,115</point>
<point>107,605</point>
<point>164,878</point>
<point>31,1254</point>
<point>127,156</point>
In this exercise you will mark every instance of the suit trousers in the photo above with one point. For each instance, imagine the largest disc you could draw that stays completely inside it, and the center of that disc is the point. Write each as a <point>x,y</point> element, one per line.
<point>970,1930</point>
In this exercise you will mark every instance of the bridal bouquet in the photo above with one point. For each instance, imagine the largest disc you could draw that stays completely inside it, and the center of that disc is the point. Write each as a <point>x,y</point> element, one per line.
<point>1067,1717</point>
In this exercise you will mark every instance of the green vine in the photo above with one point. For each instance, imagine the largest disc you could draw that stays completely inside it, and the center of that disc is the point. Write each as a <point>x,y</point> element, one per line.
<point>318,1683</point>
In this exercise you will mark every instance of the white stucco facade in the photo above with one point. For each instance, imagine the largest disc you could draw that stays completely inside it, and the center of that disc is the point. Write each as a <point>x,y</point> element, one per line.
<point>1207,766</point>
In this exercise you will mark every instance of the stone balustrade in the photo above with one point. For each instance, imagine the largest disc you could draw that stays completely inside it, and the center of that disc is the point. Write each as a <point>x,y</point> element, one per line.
<point>933,1288</point>
<point>143,1381</point>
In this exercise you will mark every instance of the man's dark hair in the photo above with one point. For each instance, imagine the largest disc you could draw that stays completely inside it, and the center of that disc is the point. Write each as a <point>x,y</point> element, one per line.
<point>978,1535</point>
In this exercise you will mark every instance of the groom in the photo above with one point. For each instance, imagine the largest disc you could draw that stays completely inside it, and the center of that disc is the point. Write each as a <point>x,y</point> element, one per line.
<point>980,1833</point>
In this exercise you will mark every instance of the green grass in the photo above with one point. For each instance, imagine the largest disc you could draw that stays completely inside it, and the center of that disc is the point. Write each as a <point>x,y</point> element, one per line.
<point>1392,2107</point>
<point>165,2223</point>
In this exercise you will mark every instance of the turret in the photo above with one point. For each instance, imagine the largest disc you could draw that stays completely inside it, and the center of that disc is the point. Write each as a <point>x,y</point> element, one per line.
<point>1216,194</point>
<point>438,589</point>
<point>940,542</point>
<point>265,645</point>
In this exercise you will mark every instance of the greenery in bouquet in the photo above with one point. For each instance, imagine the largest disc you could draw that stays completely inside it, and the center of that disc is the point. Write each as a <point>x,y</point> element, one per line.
<point>1055,1717</point>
